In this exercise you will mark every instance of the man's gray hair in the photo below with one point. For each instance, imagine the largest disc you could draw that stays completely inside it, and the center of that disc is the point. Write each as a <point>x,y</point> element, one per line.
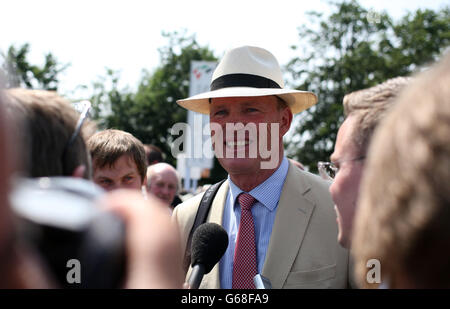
<point>152,169</point>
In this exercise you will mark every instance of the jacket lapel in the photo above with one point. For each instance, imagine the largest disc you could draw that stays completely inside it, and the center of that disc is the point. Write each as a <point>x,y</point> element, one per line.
<point>293,214</point>
<point>211,280</point>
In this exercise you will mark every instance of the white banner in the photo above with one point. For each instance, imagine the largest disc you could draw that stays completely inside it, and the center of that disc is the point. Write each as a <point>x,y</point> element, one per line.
<point>195,157</point>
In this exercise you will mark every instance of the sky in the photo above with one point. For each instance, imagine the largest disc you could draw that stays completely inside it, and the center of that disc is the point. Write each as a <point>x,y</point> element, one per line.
<point>93,35</point>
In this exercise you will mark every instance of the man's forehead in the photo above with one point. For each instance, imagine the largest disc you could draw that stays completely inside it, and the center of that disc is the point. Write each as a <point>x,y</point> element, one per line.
<point>166,175</point>
<point>108,173</point>
<point>123,160</point>
<point>345,145</point>
<point>115,171</point>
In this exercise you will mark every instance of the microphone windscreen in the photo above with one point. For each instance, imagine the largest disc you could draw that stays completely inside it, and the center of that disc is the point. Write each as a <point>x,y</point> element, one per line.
<point>209,243</point>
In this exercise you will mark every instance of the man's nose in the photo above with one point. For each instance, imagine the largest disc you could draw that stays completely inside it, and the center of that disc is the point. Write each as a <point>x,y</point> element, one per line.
<point>165,190</point>
<point>114,186</point>
<point>237,117</point>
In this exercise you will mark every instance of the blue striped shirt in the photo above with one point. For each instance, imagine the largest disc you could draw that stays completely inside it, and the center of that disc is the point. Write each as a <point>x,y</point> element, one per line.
<point>267,194</point>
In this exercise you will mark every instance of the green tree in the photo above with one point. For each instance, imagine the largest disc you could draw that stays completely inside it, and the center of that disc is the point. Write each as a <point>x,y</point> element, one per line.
<point>112,108</point>
<point>20,73</point>
<point>352,49</point>
<point>150,113</point>
<point>158,92</point>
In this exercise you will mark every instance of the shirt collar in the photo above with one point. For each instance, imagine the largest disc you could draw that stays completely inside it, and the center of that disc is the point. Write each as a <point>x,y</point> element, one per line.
<point>267,193</point>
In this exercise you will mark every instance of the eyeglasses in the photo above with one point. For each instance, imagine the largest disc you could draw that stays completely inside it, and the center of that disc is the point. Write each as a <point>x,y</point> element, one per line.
<point>328,170</point>
<point>83,107</point>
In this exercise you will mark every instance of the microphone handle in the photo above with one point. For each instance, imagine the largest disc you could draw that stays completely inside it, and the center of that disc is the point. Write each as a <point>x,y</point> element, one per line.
<point>198,270</point>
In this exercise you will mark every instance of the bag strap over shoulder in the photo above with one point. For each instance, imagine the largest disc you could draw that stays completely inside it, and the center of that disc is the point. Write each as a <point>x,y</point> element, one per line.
<point>200,218</point>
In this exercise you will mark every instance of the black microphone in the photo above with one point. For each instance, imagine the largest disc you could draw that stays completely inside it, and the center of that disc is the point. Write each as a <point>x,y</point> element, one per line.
<point>209,243</point>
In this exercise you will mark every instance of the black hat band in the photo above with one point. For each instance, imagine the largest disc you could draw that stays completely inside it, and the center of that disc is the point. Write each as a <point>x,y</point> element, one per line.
<point>242,80</point>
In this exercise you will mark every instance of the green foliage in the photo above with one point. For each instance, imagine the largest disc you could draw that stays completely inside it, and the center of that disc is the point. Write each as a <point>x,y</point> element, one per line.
<point>354,49</point>
<point>350,49</point>
<point>111,106</point>
<point>149,113</point>
<point>158,92</point>
<point>20,73</point>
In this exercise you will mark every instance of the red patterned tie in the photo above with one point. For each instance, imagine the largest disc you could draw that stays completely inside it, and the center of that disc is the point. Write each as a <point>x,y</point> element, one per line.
<point>245,267</point>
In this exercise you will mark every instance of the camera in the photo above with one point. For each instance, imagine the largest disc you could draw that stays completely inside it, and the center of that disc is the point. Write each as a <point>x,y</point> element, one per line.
<point>82,245</point>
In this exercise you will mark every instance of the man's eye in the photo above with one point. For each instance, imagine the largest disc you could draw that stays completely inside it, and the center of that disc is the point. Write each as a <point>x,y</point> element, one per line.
<point>128,178</point>
<point>220,113</point>
<point>251,110</point>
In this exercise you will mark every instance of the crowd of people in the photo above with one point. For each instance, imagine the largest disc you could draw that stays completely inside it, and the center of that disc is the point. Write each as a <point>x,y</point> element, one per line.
<point>382,197</point>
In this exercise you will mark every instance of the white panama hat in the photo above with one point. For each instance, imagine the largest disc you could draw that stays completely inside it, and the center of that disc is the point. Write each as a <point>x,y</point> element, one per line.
<point>249,71</point>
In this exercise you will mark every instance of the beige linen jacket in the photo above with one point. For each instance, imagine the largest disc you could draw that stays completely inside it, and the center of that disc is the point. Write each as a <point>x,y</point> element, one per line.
<point>303,251</point>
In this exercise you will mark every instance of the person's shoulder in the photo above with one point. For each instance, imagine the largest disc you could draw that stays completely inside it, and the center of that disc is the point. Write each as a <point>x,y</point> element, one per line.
<point>312,179</point>
<point>188,204</point>
<point>312,186</point>
<point>184,214</point>
<point>316,180</point>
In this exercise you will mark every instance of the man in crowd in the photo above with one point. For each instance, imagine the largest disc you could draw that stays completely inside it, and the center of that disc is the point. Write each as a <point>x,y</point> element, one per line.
<point>118,160</point>
<point>279,219</point>
<point>363,110</point>
<point>163,182</point>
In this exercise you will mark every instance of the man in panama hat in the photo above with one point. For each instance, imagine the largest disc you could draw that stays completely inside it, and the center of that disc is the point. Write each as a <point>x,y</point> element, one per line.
<point>279,219</point>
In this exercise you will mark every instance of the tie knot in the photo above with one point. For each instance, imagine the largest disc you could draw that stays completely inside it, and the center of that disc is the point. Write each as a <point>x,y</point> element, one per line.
<point>246,201</point>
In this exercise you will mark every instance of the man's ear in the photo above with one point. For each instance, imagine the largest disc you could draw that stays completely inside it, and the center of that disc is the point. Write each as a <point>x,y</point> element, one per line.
<point>78,172</point>
<point>286,120</point>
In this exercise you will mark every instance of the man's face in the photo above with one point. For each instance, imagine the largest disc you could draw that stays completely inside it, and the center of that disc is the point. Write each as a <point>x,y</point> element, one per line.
<point>123,174</point>
<point>164,185</point>
<point>345,187</point>
<point>259,138</point>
